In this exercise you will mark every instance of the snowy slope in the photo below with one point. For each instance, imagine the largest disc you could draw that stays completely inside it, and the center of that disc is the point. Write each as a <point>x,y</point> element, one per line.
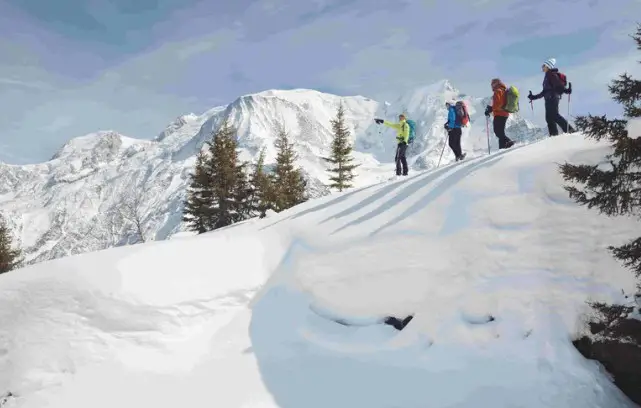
<point>224,319</point>
<point>75,202</point>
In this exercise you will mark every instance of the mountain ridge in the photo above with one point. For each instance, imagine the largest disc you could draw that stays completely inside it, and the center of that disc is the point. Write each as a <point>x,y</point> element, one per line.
<point>73,202</point>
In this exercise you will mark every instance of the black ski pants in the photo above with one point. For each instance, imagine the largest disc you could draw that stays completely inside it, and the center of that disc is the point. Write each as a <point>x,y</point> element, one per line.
<point>499,131</point>
<point>454,140</point>
<point>401,158</point>
<point>553,117</point>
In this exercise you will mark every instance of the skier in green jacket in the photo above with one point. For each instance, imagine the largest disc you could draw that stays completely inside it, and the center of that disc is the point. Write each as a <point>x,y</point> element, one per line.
<point>402,137</point>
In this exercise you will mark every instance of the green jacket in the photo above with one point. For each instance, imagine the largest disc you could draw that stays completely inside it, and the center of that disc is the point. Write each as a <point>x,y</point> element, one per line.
<point>402,130</point>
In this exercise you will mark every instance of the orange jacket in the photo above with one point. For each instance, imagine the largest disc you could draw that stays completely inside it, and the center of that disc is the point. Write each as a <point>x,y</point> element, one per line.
<point>498,100</point>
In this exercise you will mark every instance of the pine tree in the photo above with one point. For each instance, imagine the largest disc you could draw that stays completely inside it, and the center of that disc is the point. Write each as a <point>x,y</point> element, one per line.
<point>197,211</point>
<point>10,257</point>
<point>228,180</point>
<point>243,205</point>
<point>288,181</point>
<point>615,190</point>
<point>261,188</point>
<point>341,159</point>
<point>218,194</point>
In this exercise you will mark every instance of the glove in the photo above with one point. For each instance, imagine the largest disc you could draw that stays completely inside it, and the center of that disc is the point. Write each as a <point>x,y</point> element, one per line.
<point>446,126</point>
<point>530,96</point>
<point>569,90</point>
<point>488,110</point>
<point>379,121</point>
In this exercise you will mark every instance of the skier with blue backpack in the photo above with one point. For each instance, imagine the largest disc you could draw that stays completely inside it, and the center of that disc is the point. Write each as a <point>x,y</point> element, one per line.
<point>457,117</point>
<point>405,132</point>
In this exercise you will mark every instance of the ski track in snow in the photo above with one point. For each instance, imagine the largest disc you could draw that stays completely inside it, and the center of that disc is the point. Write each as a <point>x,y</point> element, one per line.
<point>489,256</point>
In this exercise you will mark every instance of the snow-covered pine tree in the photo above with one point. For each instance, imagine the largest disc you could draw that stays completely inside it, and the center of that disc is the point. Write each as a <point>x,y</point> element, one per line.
<point>615,339</point>
<point>290,187</point>
<point>341,160</point>
<point>10,256</point>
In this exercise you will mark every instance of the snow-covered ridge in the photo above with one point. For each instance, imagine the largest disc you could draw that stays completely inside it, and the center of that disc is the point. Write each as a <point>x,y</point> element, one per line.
<point>70,204</point>
<point>174,324</point>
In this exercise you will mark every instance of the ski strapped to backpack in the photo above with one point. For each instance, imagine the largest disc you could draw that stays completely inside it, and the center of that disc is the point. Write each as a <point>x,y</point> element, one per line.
<point>462,116</point>
<point>412,135</point>
<point>511,100</point>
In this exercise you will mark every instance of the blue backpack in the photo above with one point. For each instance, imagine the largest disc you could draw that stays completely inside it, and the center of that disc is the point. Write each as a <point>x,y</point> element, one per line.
<point>412,131</point>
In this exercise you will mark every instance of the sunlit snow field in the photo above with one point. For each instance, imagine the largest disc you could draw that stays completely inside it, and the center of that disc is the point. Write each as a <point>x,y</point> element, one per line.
<point>490,255</point>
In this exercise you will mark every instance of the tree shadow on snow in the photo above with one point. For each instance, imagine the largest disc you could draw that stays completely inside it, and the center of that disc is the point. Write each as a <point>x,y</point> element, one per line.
<point>322,206</point>
<point>332,202</point>
<point>399,197</point>
<point>408,189</point>
<point>449,181</point>
<point>441,188</point>
<point>382,192</point>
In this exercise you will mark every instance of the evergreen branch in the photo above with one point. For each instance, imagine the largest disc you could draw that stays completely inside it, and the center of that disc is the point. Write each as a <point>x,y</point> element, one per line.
<point>630,255</point>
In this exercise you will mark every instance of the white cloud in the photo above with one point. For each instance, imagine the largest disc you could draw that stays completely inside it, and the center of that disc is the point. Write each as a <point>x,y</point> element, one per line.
<point>376,50</point>
<point>185,50</point>
<point>385,69</point>
<point>26,84</point>
<point>59,123</point>
<point>597,73</point>
<point>129,98</point>
<point>37,120</point>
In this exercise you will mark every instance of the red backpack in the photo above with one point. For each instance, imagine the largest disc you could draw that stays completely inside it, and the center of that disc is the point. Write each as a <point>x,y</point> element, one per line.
<point>562,83</point>
<point>462,117</point>
<point>563,79</point>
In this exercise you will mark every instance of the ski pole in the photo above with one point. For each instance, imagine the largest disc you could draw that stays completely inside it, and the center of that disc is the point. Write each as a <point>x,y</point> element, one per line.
<point>569,97</point>
<point>442,151</point>
<point>487,130</point>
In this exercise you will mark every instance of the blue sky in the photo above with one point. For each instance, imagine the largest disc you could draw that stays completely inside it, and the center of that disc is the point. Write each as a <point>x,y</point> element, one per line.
<point>72,67</point>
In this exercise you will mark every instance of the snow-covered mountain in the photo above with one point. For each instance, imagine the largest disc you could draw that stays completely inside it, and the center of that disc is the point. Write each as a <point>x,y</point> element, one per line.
<point>490,256</point>
<point>84,197</point>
